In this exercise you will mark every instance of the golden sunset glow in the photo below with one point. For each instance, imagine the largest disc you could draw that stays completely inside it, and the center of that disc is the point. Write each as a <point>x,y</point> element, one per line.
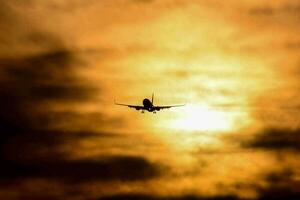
<point>234,64</point>
<point>197,118</point>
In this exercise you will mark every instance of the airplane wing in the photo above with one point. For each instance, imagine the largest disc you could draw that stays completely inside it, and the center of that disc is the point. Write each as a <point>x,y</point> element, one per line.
<point>166,107</point>
<point>131,106</point>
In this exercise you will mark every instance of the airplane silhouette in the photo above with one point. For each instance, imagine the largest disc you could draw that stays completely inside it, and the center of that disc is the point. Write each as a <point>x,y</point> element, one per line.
<point>148,105</point>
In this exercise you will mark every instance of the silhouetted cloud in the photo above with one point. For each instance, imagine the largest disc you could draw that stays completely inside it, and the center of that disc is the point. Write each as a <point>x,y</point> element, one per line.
<point>4,12</point>
<point>107,168</point>
<point>153,197</point>
<point>63,6</point>
<point>281,185</point>
<point>32,132</point>
<point>29,84</point>
<point>40,146</point>
<point>293,45</point>
<point>45,41</point>
<point>266,10</point>
<point>276,139</point>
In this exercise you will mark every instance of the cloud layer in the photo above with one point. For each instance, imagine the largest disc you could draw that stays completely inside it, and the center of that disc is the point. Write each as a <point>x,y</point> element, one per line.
<point>235,63</point>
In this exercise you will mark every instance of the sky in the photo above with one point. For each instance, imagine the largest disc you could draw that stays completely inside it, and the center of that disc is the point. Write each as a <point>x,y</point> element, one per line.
<point>235,64</point>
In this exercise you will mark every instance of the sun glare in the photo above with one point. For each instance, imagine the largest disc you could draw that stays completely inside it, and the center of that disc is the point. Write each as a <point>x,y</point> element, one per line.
<point>201,118</point>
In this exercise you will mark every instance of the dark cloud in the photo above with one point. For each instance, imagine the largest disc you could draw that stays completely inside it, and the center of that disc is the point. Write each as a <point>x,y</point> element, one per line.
<point>40,154</point>
<point>262,11</point>
<point>6,29</point>
<point>293,45</point>
<point>18,100</point>
<point>67,92</point>
<point>4,12</point>
<point>153,197</point>
<point>74,121</point>
<point>143,1</point>
<point>45,133</point>
<point>29,84</point>
<point>290,9</point>
<point>40,146</point>
<point>276,139</point>
<point>55,5</point>
<point>47,41</point>
<point>280,185</point>
<point>13,29</point>
<point>108,168</point>
<point>32,134</point>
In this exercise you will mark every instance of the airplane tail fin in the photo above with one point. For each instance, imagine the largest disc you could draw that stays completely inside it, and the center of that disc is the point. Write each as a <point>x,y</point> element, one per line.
<point>152,100</point>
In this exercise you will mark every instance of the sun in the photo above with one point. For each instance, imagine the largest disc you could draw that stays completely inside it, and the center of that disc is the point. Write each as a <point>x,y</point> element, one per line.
<point>202,118</point>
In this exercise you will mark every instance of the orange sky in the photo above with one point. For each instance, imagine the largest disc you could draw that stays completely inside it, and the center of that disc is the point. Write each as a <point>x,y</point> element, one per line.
<point>234,63</point>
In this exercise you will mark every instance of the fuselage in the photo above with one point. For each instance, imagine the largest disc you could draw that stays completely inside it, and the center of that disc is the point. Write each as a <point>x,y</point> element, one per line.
<point>148,105</point>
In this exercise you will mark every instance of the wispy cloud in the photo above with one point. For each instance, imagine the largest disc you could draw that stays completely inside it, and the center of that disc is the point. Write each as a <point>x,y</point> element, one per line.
<point>276,139</point>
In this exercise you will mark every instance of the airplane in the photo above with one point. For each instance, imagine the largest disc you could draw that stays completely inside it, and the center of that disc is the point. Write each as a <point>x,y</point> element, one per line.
<point>148,105</point>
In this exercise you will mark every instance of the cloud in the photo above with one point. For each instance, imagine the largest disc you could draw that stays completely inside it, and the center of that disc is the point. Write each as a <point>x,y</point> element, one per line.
<point>280,185</point>
<point>64,6</point>
<point>106,168</point>
<point>4,12</point>
<point>143,1</point>
<point>78,121</point>
<point>40,146</point>
<point>29,154</point>
<point>32,85</point>
<point>50,93</point>
<point>153,197</point>
<point>276,139</point>
<point>284,8</point>
<point>262,11</point>
<point>293,45</point>
<point>284,15</point>
<point>33,129</point>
